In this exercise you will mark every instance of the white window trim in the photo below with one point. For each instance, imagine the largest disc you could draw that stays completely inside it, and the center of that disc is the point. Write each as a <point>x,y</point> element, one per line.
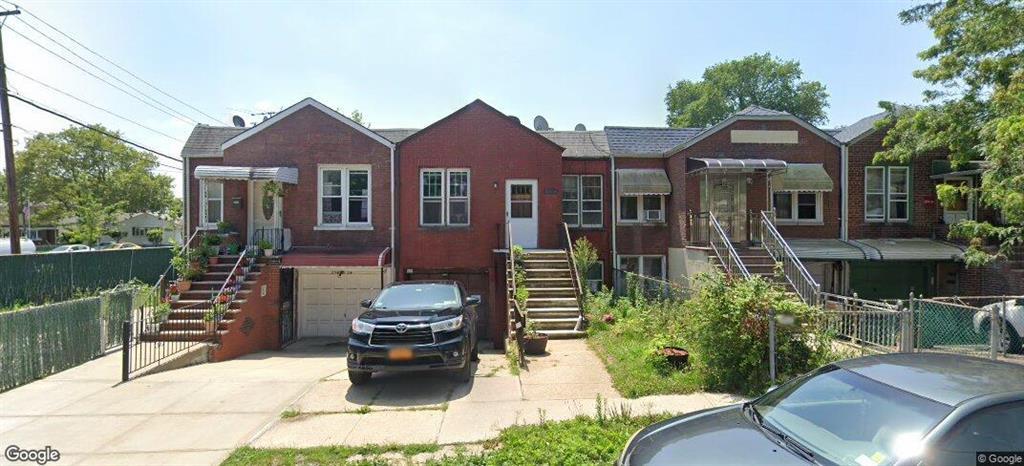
<point>445,197</point>
<point>600,283</point>
<point>579,202</point>
<point>969,199</point>
<point>641,217</point>
<point>346,224</point>
<point>640,263</point>
<point>794,203</point>
<point>886,193</point>
<point>204,205</point>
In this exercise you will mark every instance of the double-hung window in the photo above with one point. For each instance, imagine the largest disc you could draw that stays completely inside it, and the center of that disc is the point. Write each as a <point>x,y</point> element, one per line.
<point>648,208</point>
<point>444,197</point>
<point>886,194</point>
<point>212,203</point>
<point>595,276</point>
<point>344,198</point>
<point>582,200</point>
<point>797,207</point>
<point>648,266</point>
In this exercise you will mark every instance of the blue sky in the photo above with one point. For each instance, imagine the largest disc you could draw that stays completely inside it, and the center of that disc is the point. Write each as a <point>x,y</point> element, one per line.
<point>407,64</point>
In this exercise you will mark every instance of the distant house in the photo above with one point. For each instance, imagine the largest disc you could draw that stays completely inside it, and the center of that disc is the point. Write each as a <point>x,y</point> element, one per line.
<point>136,226</point>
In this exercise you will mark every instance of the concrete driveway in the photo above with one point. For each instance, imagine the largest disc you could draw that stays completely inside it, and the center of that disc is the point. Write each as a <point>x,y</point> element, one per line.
<point>190,416</point>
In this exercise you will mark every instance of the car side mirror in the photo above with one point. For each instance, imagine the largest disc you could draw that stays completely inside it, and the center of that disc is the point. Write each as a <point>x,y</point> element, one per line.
<point>366,303</point>
<point>473,300</point>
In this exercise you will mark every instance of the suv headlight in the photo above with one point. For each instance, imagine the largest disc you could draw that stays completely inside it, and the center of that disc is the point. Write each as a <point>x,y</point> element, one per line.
<point>359,326</point>
<point>447,325</point>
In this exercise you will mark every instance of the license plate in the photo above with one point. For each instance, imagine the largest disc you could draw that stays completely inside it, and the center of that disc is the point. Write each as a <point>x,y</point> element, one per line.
<point>400,354</point>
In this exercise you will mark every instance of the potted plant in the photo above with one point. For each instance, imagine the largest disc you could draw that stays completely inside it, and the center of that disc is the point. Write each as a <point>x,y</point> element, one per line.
<point>215,313</point>
<point>224,227</point>
<point>534,343</point>
<point>186,269</point>
<point>231,249</point>
<point>173,292</point>
<point>211,248</point>
<point>223,298</point>
<point>266,247</point>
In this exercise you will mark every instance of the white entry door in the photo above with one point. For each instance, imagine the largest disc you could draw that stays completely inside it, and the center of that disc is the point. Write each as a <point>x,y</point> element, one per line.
<point>328,299</point>
<point>266,215</point>
<point>521,212</point>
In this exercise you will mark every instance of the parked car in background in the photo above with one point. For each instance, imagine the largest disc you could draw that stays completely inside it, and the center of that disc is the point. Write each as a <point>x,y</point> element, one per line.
<point>27,246</point>
<point>69,248</point>
<point>124,245</point>
<point>1011,312</point>
<point>893,409</point>
<point>428,325</point>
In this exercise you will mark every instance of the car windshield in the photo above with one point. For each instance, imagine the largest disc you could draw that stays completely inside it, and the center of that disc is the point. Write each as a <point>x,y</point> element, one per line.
<point>418,296</point>
<point>846,418</point>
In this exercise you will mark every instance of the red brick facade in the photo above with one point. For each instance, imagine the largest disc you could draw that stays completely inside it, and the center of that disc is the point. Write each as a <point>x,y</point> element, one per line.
<point>599,237</point>
<point>257,325</point>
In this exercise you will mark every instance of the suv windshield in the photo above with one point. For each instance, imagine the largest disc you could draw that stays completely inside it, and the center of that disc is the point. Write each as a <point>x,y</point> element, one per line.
<point>418,296</point>
<point>846,418</point>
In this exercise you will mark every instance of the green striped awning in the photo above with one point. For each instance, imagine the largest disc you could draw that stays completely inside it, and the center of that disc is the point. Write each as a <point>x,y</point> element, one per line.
<point>803,177</point>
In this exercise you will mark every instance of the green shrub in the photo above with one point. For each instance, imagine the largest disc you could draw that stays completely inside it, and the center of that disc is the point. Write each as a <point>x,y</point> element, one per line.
<point>155,235</point>
<point>727,325</point>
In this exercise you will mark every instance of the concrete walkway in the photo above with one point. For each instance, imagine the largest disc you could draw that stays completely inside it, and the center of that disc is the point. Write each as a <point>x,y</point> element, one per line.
<point>433,408</point>
<point>190,416</point>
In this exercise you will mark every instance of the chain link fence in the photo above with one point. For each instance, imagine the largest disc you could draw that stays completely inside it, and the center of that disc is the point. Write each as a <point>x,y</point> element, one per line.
<point>42,340</point>
<point>40,278</point>
<point>634,285</point>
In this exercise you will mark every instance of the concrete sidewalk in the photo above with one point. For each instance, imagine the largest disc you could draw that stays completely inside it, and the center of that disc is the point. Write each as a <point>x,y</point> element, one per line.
<point>195,415</point>
<point>433,408</point>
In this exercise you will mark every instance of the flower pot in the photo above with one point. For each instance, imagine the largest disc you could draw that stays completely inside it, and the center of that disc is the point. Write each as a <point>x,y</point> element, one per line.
<point>222,298</point>
<point>535,345</point>
<point>174,298</point>
<point>213,260</point>
<point>268,252</point>
<point>184,285</point>
<point>676,357</point>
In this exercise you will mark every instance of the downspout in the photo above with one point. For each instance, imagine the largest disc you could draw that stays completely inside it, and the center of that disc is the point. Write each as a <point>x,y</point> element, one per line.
<point>615,217</point>
<point>844,214</point>
<point>394,224</point>
<point>187,200</point>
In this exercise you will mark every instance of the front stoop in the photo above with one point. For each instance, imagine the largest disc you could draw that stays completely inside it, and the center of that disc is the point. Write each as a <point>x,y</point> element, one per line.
<point>552,306</point>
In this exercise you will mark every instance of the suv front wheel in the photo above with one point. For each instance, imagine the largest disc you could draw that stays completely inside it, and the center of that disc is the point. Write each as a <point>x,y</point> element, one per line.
<point>359,377</point>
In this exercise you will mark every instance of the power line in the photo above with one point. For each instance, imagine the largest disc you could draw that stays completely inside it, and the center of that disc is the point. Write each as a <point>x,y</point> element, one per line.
<point>79,123</point>
<point>72,39</point>
<point>37,44</point>
<point>86,60</point>
<point>129,120</point>
<point>33,132</point>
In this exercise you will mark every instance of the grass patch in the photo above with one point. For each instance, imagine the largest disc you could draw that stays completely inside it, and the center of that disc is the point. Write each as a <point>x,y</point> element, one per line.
<point>248,456</point>
<point>634,374</point>
<point>289,414</point>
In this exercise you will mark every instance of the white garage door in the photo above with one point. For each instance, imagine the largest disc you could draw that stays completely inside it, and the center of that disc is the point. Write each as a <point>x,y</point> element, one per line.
<point>329,298</point>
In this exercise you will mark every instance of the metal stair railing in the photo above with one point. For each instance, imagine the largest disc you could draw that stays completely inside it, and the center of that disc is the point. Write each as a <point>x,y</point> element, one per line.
<point>723,249</point>
<point>574,273</point>
<point>796,274</point>
<point>516,316</point>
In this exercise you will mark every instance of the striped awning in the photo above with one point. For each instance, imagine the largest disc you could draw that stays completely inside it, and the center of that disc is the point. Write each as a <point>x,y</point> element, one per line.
<point>635,182</point>
<point>909,249</point>
<point>803,177</point>
<point>694,164</point>
<point>216,172</point>
<point>825,249</point>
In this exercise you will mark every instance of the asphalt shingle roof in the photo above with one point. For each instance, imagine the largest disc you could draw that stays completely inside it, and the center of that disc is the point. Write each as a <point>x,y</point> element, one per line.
<point>864,125</point>
<point>588,144</point>
<point>205,140</point>
<point>626,140</point>
<point>395,135</point>
<point>754,110</point>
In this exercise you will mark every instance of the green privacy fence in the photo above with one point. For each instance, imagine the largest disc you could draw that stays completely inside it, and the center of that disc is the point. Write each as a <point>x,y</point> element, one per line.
<point>39,341</point>
<point>41,278</point>
<point>949,326</point>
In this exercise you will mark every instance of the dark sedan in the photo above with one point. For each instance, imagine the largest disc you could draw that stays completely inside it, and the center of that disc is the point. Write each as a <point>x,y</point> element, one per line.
<point>895,409</point>
<point>415,326</point>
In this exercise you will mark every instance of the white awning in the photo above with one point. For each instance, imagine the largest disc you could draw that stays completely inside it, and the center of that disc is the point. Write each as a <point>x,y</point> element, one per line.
<point>802,177</point>
<point>909,249</point>
<point>825,249</point>
<point>215,172</point>
<point>635,182</point>
<point>694,164</point>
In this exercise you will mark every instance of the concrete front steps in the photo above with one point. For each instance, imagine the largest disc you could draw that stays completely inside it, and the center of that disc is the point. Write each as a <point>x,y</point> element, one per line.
<point>186,321</point>
<point>552,306</point>
<point>758,262</point>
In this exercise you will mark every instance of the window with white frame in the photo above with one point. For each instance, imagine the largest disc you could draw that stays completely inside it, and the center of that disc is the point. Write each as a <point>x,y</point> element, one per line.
<point>595,276</point>
<point>797,207</point>
<point>344,196</point>
<point>886,194</point>
<point>648,208</point>
<point>444,197</point>
<point>582,200</point>
<point>212,203</point>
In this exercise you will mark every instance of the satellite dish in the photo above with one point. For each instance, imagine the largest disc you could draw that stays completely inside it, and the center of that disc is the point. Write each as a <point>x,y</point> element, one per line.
<point>238,121</point>
<point>515,118</point>
<point>540,124</point>
<point>580,127</point>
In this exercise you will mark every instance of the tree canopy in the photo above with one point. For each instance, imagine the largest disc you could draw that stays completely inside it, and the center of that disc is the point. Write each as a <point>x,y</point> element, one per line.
<point>72,172</point>
<point>758,79</point>
<point>974,110</point>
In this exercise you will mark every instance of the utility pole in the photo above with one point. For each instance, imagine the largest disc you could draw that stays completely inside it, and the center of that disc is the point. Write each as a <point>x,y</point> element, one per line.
<point>5,115</point>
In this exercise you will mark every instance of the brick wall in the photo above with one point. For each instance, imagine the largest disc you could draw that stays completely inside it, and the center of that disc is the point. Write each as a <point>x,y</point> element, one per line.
<point>257,325</point>
<point>810,148</point>
<point>651,238</point>
<point>926,214</point>
<point>599,237</point>
<point>304,140</point>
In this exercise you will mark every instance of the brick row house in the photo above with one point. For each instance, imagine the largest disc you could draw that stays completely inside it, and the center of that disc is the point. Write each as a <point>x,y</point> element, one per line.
<point>362,207</point>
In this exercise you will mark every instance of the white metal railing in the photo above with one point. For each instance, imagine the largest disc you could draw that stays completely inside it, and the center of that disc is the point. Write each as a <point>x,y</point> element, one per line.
<point>723,249</point>
<point>796,274</point>
<point>869,325</point>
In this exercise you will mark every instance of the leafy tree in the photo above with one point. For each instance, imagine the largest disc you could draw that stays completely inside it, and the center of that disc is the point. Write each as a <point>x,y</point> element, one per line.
<point>93,220</point>
<point>975,110</point>
<point>758,79</point>
<point>62,173</point>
